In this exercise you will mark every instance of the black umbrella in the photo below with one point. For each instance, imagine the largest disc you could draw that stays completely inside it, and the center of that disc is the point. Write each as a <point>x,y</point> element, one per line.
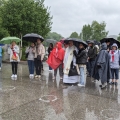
<point>76,41</point>
<point>111,40</point>
<point>32,37</point>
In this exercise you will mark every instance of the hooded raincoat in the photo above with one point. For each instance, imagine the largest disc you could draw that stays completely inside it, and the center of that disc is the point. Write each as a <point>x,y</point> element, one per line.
<point>56,56</point>
<point>101,69</point>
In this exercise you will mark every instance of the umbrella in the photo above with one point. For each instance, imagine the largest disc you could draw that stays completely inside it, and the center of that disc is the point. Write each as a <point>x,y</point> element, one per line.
<point>8,40</point>
<point>111,40</point>
<point>32,37</point>
<point>2,44</point>
<point>76,41</point>
<point>51,41</point>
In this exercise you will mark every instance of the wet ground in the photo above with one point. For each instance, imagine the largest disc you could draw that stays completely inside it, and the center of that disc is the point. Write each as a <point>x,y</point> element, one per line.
<point>45,99</point>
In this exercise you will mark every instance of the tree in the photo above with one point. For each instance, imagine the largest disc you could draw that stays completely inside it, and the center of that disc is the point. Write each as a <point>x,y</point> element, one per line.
<point>86,32</point>
<point>95,31</point>
<point>74,35</point>
<point>26,16</point>
<point>118,37</point>
<point>54,35</point>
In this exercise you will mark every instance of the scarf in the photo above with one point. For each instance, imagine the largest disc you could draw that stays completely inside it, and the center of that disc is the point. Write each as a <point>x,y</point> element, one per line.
<point>112,52</point>
<point>14,53</point>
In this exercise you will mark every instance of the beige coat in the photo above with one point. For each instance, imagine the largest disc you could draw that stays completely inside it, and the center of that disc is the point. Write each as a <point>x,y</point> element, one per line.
<point>41,51</point>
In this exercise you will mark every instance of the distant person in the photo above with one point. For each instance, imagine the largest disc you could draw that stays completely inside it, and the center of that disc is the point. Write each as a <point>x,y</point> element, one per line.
<point>101,69</point>
<point>92,53</point>
<point>49,51</point>
<point>81,60</point>
<point>30,58</point>
<point>114,63</point>
<point>39,55</point>
<point>108,45</point>
<point>14,58</point>
<point>0,57</point>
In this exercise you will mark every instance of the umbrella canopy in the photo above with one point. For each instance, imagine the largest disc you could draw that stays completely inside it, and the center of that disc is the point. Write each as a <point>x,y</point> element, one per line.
<point>76,42</point>
<point>32,37</point>
<point>51,41</point>
<point>111,40</point>
<point>9,40</point>
<point>2,44</point>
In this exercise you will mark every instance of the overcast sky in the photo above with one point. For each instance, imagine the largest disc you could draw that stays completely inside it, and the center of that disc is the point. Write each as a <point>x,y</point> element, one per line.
<point>71,15</point>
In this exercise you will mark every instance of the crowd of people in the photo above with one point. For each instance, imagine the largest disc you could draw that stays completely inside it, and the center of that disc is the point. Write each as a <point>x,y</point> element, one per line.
<point>75,64</point>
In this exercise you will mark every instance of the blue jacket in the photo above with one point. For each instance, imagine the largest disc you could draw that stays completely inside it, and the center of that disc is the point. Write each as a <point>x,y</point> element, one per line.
<point>0,52</point>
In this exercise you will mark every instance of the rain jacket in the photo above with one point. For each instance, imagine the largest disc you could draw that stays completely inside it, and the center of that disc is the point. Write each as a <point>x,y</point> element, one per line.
<point>56,56</point>
<point>101,69</point>
<point>114,57</point>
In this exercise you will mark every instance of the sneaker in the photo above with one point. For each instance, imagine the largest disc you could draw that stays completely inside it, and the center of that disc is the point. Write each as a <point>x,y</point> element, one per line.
<point>39,76</point>
<point>81,85</point>
<point>112,83</point>
<point>32,75</point>
<point>116,83</point>
<point>13,76</point>
<point>0,68</point>
<point>54,78</point>
<point>36,76</point>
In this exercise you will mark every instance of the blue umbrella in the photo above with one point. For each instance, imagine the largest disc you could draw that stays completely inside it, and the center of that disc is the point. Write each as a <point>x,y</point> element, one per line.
<point>2,44</point>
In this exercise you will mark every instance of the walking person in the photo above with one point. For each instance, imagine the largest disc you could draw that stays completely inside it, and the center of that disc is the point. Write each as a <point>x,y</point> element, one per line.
<point>81,60</point>
<point>49,51</point>
<point>69,64</point>
<point>101,69</point>
<point>13,50</point>
<point>114,63</point>
<point>0,57</point>
<point>92,53</point>
<point>55,60</point>
<point>39,55</point>
<point>30,59</point>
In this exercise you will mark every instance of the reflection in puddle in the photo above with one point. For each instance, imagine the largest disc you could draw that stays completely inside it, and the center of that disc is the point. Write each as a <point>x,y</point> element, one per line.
<point>110,114</point>
<point>7,88</point>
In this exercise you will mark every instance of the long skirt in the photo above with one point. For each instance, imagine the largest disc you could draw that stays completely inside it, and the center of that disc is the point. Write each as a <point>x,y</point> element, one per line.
<point>70,79</point>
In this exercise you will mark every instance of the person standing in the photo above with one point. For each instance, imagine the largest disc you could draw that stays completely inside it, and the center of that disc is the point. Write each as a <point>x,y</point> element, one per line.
<point>14,58</point>
<point>114,63</point>
<point>39,55</point>
<point>70,60</point>
<point>92,53</point>
<point>55,59</point>
<point>81,60</point>
<point>101,70</point>
<point>49,51</point>
<point>0,57</point>
<point>30,59</point>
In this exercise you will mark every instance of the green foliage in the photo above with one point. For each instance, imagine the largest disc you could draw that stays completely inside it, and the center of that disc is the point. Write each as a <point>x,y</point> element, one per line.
<point>26,16</point>
<point>118,37</point>
<point>74,35</point>
<point>95,31</point>
<point>54,35</point>
<point>23,54</point>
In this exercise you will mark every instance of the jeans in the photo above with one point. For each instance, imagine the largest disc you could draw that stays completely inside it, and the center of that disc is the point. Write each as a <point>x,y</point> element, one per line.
<point>0,61</point>
<point>50,68</point>
<point>83,75</point>
<point>31,66</point>
<point>60,71</point>
<point>91,66</point>
<point>14,67</point>
<point>115,73</point>
<point>37,66</point>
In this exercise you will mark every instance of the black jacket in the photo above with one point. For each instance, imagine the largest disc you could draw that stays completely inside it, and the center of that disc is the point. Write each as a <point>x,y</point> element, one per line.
<point>81,57</point>
<point>49,50</point>
<point>92,53</point>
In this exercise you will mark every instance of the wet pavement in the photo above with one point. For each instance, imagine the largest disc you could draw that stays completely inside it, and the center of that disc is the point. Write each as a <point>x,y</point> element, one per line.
<point>45,99</point>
